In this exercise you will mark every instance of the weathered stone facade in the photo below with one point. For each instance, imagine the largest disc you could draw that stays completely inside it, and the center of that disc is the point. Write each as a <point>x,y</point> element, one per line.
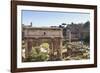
<point>35,36</point>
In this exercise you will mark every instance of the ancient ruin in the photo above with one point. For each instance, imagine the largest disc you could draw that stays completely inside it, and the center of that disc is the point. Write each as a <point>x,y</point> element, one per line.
<point>62,43</point>
<point>36,36</point>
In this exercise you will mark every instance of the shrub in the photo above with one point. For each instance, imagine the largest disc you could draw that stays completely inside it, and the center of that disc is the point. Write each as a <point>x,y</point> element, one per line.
<point>37,55</point>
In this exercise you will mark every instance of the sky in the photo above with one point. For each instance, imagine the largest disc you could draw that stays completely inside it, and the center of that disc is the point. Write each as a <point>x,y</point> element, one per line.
<point>50,18</point>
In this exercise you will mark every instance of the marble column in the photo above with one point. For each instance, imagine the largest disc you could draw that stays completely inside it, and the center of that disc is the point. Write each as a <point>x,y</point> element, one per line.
<point>70,36</point>
<point>29,47</point>
<point>26,48</point>
<point>60,48</point>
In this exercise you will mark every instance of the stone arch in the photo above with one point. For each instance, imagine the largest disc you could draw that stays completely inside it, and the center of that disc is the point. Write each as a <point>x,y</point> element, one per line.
<point>54,46</point>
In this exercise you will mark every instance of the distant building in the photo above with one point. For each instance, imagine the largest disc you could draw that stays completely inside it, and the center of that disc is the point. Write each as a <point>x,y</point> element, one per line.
<point>75,31</point>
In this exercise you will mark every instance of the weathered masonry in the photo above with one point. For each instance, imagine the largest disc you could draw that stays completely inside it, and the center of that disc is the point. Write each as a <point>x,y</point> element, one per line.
<point>34,36</point>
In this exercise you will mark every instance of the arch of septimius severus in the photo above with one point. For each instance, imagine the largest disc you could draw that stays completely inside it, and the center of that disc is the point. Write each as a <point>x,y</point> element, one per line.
<point>35,36</point>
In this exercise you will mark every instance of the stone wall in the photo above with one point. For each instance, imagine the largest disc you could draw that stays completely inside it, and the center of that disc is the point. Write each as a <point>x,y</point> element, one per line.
<point>36,36</point>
